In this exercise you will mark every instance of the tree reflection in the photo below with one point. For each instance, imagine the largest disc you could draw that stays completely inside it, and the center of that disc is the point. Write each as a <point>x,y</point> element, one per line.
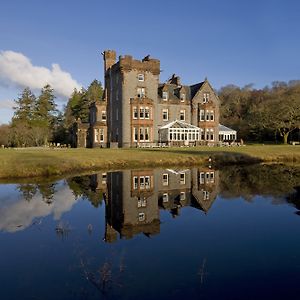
<point>265,180</point>
<point>27,190</point>
<point>82,186</point>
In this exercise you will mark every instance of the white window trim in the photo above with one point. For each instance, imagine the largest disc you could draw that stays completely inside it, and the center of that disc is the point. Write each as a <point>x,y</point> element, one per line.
<point>165,182</point>
<point>165,110</point>
<point>137,112</point>
<point>165,96</point>
<point>182,111</point>
<point>182,97</point>
<point>142,216</point>
<point>141,77</point>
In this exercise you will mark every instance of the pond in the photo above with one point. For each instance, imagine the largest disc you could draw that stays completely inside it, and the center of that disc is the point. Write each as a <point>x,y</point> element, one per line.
<point>197,233</point>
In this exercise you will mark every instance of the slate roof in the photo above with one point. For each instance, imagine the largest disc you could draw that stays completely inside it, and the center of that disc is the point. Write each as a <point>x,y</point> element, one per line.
<point>174,90</point>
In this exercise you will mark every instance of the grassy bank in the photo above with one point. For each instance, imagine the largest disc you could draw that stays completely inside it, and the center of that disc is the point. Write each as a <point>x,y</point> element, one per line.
<point>52,162</point>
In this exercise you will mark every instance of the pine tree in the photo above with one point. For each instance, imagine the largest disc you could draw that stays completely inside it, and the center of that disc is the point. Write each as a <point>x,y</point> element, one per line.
<point>25,106</point>
<point>44,115</point>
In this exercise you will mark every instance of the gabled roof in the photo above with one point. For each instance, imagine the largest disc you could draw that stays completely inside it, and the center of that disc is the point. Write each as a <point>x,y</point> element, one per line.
<point>179,124</point>
<point>224,128</point>
<point>195,88</point>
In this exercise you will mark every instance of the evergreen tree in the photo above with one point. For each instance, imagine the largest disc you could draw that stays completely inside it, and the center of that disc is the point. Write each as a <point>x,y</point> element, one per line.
<point>21,134</point>
<point>45,114</point>
<point>25,106</point>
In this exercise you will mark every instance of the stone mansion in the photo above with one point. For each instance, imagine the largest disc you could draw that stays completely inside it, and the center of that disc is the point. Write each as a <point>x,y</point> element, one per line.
<point>139,111</point>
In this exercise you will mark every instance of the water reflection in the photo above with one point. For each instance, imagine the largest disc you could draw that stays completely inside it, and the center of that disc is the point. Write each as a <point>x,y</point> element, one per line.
<point>133,198</point>
<point>215,234</point>
<point>17,215</point>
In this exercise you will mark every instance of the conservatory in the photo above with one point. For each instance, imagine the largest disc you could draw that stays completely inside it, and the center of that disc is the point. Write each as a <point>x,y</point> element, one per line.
<point>226,134</point>
<point>179,133</point>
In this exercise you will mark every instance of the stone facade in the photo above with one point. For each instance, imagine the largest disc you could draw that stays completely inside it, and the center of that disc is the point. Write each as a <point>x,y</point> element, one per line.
<point>137,105</point>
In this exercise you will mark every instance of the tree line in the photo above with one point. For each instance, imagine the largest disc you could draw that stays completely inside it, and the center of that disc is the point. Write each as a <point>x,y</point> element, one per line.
<point>38,122</point>
<point>268,114</point>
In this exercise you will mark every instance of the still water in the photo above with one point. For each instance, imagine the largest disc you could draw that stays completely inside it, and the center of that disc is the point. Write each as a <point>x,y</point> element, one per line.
<point>194,233</point>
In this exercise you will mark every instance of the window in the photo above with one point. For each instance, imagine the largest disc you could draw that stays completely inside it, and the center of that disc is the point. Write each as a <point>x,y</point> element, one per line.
<point>101,135</point>
<point>182,196</point>
<point>142,182</point>
<point>205,97</point>
<point>146,134</point>
<point>141,134</point>
<point>211,135</point>
<point>207,115</point>
<point>141,77</point>
<point>142,113</point>
<point>207,134</point>
<point>205,195</point>
<point>103,115</point>
<point>212,115</point>
<point>182,115</point>
<point>142,202</point>
<point>147,182</point>
<point>212,176</point>
<point>165,96</point>
<point>135,182</point>
<point>96,135</point>
<point>202,115</point>
<point>165,114</point>
<point>147,113</point>
<point>165,180</point>
<point>182,97</point>
<point>202,178</point>
<point>141,92</point>
<point>104,176</point>
<point>142,217</point>
<point>135,113</point>
<point>165,197</point>
<point>135,134</point>
<point>182,178</point>
<point>202,134</point>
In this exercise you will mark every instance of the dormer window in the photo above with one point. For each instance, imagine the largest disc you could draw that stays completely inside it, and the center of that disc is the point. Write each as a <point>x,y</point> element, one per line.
<point>165,96</point>
<point>141,92</point>
<point>141,77</point>
<point>182,97</point>
<point>103,115</point>
<point>205,97</point>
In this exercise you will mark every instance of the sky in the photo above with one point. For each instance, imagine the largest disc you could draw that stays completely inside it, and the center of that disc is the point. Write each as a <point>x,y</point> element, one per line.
<point>230,42</point>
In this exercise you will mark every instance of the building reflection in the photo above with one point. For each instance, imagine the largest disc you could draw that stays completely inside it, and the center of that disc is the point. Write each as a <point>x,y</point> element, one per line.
<point>134,198</point>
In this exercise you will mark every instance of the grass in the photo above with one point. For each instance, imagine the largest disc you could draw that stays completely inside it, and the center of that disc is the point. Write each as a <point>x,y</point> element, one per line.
<point>27,162</point>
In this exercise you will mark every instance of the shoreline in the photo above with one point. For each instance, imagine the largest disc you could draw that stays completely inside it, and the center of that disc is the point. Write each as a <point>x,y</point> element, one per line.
<point>32,162</point>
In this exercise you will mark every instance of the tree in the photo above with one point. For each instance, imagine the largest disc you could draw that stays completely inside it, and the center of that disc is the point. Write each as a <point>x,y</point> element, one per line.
<point>23,116</point>
<point>286,112</point>
<point>45,113</point>
<point>5,133</point>
<point>94,92</point>
<point>262,114</point>
<point>25,106</point>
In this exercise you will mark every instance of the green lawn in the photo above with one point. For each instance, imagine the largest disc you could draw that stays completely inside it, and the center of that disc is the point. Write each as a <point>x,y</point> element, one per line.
<point>47,162</point>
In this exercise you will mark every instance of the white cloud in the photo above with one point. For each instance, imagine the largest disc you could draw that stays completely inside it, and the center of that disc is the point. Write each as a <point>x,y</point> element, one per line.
<point>17,69</point>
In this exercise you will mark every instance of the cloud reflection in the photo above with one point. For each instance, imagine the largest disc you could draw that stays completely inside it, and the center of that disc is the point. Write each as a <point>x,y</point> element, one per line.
<point>20,214</point>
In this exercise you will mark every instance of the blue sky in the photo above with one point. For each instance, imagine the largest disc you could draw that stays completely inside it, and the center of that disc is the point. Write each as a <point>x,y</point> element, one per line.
<point>230,42</point>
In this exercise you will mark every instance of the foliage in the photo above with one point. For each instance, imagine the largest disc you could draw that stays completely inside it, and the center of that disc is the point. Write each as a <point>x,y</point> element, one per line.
<point>262,114</point>
<point>80,101</point>
<point>4,135</point>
